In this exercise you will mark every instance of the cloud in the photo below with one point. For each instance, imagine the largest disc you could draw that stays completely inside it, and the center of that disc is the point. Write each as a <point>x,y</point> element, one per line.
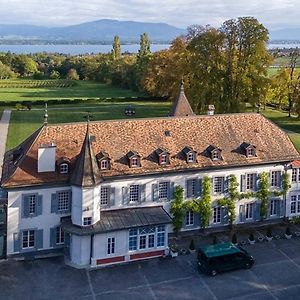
<point>272,13</point>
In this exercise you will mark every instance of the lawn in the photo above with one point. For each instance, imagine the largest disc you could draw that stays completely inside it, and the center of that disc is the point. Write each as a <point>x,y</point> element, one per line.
<point>23,123</point>
<point>33,90</point>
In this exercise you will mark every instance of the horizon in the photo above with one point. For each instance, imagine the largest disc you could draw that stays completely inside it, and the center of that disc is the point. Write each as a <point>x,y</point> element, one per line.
<point>273,14</point>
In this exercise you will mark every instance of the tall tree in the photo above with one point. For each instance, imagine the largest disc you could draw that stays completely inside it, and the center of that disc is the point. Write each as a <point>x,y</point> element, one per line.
<point>144,46</point>
<point>116,51</point>
<point>292,84</point>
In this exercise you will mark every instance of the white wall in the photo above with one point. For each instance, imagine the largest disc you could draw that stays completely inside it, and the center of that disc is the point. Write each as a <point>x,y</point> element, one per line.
<point>45,221</point>
<point>80,249</point>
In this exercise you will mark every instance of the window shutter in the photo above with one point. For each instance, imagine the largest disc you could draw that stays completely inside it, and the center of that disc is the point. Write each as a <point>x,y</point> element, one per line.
<point>256,182</point>
<point>125,195</point>
<point>154,192</point>
<point>25,206</point>
<point>54,203</point>
<point>143,192</point>
<point>279,179</point>
<point>257,211</point>
<point>198,187</point>
<point>17,241</point>
<point>189,187</point>
<point>39,239</point>
<point>70,202</point>
<point>268,208</point>
<point>53,237</point>
<point>197,220</point>
<point>242,213</point>
<point>224,215</point>
<point>171,190</point>
<point>278,207</point>
<point>111,195</point>
<point>39,206</point>
<point>281,210</point>
<point>67,239</point>
<point>243,183</point>
<point>212,186</point>
<point>225,184</point>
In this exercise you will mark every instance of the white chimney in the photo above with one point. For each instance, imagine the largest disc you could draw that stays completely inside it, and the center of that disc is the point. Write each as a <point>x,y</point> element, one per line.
<point>46,158</point>
<point>211,110</point>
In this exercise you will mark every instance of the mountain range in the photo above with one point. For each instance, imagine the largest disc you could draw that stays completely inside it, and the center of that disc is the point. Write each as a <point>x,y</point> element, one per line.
<point>101,30</point>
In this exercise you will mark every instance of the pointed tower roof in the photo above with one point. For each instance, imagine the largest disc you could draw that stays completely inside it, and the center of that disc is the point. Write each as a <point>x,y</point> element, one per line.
<point>86,172</point>
<point>181,107</point>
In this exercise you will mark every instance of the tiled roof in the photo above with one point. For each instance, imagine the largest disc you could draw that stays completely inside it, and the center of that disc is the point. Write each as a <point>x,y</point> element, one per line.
<point>145,136</point>
<point>181,107</point>
<point>121,219</point>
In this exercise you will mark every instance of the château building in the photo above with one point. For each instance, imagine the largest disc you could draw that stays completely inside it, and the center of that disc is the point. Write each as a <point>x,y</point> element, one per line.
<point>100,192</point>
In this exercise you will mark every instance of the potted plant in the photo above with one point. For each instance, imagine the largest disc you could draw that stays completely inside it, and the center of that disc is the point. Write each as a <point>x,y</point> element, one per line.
<point>251,239</point>
<point>288,233</point>
<point>173,250</point>
<point>192,246</point>
<point>269,236</point>
<point>234,239</point>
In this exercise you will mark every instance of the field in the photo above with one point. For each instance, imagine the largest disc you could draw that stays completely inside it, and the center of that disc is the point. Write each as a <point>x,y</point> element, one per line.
<point>23,123</point>
<point>19,90</point>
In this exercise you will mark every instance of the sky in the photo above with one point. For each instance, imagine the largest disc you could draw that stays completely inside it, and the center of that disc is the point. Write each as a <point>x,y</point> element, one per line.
<point>274,14</point>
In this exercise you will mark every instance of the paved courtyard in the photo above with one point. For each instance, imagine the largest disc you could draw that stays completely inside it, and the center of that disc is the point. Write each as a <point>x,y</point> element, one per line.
<point>276,275</point>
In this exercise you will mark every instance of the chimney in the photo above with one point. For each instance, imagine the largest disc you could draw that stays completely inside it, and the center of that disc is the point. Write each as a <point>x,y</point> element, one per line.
<point>46,158</point>
<point>211,110</point>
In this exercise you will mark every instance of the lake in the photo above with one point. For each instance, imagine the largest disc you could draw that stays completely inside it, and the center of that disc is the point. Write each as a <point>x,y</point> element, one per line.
<point>87,49</point>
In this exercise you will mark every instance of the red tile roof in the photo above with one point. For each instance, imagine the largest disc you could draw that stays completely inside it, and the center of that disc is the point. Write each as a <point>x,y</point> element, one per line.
<point>145,136</point>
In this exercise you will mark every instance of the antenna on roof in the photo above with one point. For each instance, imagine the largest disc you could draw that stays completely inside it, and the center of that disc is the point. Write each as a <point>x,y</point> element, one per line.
<point>46,114</point>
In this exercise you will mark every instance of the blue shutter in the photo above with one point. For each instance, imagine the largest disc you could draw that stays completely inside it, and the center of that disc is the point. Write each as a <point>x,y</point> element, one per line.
<point>54,203</point>
<point>70,202</point>
<point>243,183</point>
<point>39,206</point>
<point>256,182</point>
<point>197,220</point>
<point>189,187</point>
<point>268,208</point>
<point>67,239</point>
<point>225,184</point>
<point>25,206</point>
<point>198,187</point>
<point>224,215</point>
<point>212,186</point>
<point>17,241</point>
<point>53,237</point>
<point>125,195</point>
<point>281,204</point>
<point>143,192</point>
<point>39,239</point>
<point>257,211</point>
<point>154,192</point>
<point>171,189</point>
<point>112,191</point>
<point>278,204</point>
<point>242,215</point>
<point>279,179</point>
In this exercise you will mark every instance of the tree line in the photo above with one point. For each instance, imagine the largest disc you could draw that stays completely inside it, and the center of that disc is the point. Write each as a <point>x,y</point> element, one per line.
<point>225,66</point>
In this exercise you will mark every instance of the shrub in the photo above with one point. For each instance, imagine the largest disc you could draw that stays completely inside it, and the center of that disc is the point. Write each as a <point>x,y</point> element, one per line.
<point>234,239</point>
<point>251,237</point>
<point>269,232</point>
<point>288,231</point>
<point>192,245</point>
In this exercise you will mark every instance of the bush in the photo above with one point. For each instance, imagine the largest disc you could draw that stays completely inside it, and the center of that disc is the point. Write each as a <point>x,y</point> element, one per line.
<point>288,231</point>
<point>251,237</point>
<point>269,232</point>
<point>234,239</point>
<point>192,245</point>
<point>19,106</point>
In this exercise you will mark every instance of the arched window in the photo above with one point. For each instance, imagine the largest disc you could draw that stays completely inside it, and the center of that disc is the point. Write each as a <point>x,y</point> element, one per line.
<point>63,168</point>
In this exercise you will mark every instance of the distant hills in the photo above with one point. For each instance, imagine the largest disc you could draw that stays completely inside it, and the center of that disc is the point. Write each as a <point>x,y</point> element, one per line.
<point>97,31</point>
<point>287,34</point>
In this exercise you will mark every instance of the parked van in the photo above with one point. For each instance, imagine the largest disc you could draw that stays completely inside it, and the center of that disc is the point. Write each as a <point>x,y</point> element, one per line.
<point>213,259</point>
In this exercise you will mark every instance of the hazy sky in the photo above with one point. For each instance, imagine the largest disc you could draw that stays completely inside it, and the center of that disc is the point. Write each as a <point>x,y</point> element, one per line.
<point>272,13</point>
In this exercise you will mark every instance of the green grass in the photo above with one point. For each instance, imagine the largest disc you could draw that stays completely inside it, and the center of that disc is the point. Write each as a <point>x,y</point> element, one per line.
<point>23,123</point>
<point>82,89</point>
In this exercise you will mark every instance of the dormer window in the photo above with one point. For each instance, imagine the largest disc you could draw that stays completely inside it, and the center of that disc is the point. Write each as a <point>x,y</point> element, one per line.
<point>214,153</point>
<point>190,157</point>
<point>103,160</point>
<point>163,156</point>
<point>134,159</point>
<point>248,149</point>
<point>104,164</point>
<point>63,168</point>
<point>190,154</point>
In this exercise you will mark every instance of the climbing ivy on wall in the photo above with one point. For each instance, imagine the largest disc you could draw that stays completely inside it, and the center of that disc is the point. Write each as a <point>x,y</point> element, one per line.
<point>263,194</point>
<point>177,209</point>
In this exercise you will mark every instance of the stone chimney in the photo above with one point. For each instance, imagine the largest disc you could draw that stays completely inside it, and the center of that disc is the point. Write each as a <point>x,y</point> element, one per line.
<point>46,158</point>
<point>211,110</point>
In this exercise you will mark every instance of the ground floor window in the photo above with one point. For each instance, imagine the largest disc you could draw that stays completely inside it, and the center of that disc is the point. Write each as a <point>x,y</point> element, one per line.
<point>111,245</point>
<point>146,238</point>
<point>28,239</point>
<point>60,237</point>
<point>217,215</point>
<point>295,204</point>
<point>249,211</point>
<point>273,208</point>
<point>189,218</point>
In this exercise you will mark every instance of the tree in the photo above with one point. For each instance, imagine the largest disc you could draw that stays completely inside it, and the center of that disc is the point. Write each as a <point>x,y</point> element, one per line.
<point>54,75</point>
<point>24,65</point>
<point>145,43</point>
<point>292,85</point>
<point>72,74</point>
<point>116,51</point>
<point>5,71</point>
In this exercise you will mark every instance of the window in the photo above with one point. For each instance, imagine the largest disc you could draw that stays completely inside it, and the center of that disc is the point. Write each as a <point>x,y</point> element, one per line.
<point>87,221</point>
<point>133,233</point>
<point>249,211</point>
<point>217,215</point>
<point>193,188</point>
<point>250,181</point>
<point>111,245</point>
<point>294,175</point>
<point>143,242</point>
<point>215,155</point>
<point>64,168</point>
<point>295,204</point>
<point>134,162</point>
<point>275,178</point>
<point>189,218</point>
<point>163,159</point>
<point>134,193</point>
<point>60,237</point>
<point>218,185</point>
<point>32,204</point>
<point>163,190</point>
<point>104,192</point>
<point>104,164</point>
<point>273,209</point>
<point>28,239</point>
<point>63,201</point>
<point>160,236</point>
<point>191,157</point>
<point>250,152</point>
